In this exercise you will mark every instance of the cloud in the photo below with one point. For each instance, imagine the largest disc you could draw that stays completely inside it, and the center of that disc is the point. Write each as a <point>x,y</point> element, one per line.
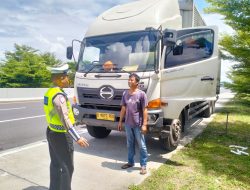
<point>47,24</point>
<point>218,20</point>
<point>50,25</point>
<point>60,39</point>
<point>52,46</point>
<point>8,31</point>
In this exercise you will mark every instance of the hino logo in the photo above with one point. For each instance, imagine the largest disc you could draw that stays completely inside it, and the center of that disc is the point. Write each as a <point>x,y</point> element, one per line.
<point>106,92</point>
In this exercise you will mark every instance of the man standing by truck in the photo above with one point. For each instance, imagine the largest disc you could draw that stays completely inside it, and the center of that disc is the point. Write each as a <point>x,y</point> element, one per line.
<point>134,108</point>
<point>60,131</point>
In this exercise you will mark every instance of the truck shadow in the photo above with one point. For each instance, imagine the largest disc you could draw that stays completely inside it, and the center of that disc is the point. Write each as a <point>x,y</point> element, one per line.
<point>114,147</point>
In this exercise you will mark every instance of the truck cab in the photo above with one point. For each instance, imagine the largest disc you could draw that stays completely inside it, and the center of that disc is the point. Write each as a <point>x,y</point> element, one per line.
<point>168,45</point>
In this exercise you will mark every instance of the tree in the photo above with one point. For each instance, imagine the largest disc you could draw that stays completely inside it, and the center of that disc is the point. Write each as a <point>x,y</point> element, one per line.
<point>237,15</point>
<point>26,68</point>
<point>50,59</point>
<point>72,71</point>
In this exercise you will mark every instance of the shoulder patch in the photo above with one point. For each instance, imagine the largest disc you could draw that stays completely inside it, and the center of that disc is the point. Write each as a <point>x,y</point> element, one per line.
<point>46,100</point>
<point>62,99</point>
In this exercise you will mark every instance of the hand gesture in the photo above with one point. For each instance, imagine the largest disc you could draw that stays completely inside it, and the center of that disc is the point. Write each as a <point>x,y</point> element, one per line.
<point>119,127</point>
<point>83,142</point>
<point>144,129</point>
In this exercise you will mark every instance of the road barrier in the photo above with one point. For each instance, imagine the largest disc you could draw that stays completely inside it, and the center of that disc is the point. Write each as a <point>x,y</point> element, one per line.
<point>14,94</point>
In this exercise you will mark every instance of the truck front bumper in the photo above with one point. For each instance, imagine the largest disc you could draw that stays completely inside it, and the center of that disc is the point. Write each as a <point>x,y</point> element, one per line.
<point>88,117</point>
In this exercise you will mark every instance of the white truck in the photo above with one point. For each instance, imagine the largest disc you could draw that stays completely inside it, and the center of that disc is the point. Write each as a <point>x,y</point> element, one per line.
<point>167,43</point>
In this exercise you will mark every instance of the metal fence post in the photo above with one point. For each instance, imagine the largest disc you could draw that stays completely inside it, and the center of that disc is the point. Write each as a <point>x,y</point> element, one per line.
<point>227,123</point>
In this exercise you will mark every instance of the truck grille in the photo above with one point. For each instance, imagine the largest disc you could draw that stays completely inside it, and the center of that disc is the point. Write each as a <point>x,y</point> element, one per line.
<point>90,98</point>
<point>95,96</point>
<point>102,107</point>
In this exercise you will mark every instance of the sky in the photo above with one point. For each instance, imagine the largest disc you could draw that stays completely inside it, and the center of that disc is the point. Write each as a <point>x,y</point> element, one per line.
<point>50,25</point>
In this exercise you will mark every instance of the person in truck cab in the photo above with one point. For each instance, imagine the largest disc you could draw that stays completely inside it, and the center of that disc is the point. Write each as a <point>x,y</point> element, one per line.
<point>108,66</point>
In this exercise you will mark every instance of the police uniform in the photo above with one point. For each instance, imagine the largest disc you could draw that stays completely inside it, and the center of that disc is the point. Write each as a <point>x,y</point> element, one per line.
<point>60,135</point>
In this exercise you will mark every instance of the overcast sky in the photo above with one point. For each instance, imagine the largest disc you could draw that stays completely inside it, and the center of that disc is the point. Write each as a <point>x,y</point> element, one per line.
<point>50,25</point>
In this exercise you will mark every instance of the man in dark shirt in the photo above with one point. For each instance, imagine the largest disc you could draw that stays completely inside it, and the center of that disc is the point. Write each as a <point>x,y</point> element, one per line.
<point>134,108</point>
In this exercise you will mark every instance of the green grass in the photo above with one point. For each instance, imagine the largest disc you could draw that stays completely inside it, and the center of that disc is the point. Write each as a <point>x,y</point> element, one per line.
<point>207,162</point>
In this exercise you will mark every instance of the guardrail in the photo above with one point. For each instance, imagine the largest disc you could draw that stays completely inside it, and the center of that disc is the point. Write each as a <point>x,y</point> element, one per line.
<point>14,94</point>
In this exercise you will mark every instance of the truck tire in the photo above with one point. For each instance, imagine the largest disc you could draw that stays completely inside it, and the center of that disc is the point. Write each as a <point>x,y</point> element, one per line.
<point>210,110</point>
<point>98,132</point>
<point>171,142</point>
<point>213,106</point>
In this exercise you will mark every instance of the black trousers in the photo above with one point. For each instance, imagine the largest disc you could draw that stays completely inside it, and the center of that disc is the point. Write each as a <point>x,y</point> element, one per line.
<point>61,154</point>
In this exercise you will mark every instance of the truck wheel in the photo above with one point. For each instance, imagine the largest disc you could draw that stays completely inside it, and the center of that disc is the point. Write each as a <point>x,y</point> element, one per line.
<point>207,112</point>
<point>213,106</point>
<point>171,142</point>
<point>98,132</point>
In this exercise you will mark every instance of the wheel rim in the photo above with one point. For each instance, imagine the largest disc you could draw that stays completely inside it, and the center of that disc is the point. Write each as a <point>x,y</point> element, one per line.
<point>176,129</point>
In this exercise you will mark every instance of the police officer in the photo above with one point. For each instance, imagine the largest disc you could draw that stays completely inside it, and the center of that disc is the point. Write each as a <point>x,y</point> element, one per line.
<point>60,131</point>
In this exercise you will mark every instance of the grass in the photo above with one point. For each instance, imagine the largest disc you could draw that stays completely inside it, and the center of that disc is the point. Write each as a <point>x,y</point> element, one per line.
<point>207,162</point>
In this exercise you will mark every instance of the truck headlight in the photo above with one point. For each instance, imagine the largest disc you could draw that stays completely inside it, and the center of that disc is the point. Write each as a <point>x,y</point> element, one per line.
<point>152,118</point>
<point>156,104</point>
<point>76,111</point>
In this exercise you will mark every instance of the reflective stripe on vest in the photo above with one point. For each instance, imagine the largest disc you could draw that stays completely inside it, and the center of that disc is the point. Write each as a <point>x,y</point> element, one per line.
<point>52,117</point>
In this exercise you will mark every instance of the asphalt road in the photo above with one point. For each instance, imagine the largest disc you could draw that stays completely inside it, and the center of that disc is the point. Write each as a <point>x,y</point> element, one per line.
<point>96,167</point>
<point>21,123</point>
<point>24,122</point>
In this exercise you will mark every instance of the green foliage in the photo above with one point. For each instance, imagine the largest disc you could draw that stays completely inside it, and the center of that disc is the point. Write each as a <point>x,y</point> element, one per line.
<point>237,15</point>
<point>50,59</point>
<point>26,68</point>
<point>207,163</point>
<point>72,68</point>
<point>236,12</point>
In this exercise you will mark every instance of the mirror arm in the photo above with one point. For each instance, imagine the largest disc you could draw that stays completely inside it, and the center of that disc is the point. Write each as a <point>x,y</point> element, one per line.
<point>72,44</point>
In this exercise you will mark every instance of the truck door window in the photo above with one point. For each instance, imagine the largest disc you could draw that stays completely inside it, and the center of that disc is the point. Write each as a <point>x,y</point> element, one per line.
<point>197,46</point>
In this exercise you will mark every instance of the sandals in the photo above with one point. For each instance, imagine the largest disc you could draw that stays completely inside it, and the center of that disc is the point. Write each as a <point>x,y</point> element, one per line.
<point>126,166</point>
<point>143,170</point>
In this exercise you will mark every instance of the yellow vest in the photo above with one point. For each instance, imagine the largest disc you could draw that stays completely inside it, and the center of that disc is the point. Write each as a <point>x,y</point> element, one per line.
<point>52,117</point>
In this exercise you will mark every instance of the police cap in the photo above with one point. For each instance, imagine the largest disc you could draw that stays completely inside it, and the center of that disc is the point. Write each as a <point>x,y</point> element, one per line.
<point>60,69</point>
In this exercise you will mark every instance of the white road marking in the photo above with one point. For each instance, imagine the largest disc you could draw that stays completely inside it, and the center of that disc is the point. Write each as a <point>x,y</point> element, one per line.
<point>17,119</point>
<point>32,145</point>
<point>6,109</point>
<point>19,149</point>
<point>19,102</point>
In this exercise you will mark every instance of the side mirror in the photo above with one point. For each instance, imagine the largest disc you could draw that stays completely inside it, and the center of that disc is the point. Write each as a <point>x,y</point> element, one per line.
<point>178,49</point>
<point>69,52</point>
<point>169,37</point>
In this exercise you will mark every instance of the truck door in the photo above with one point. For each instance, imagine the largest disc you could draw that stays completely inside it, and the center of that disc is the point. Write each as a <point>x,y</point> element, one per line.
<point>190,68</point>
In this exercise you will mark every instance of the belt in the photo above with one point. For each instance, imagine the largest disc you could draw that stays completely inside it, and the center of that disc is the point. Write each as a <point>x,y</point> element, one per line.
<point>57,128</point>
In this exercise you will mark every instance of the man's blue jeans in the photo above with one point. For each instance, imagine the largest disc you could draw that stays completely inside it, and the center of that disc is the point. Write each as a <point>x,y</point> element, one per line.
<point>134,134</point>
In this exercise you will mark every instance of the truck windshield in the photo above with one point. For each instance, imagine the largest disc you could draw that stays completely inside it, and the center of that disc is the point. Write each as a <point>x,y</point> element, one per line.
<point>126,52</point>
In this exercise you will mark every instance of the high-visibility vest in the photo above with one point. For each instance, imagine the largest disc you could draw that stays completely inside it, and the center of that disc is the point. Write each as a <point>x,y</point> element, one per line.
<point>52,117</point>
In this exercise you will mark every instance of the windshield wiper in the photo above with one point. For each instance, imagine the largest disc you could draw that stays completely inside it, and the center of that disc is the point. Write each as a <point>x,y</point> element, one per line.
<point>94,66</point>
<point>108,75</point>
